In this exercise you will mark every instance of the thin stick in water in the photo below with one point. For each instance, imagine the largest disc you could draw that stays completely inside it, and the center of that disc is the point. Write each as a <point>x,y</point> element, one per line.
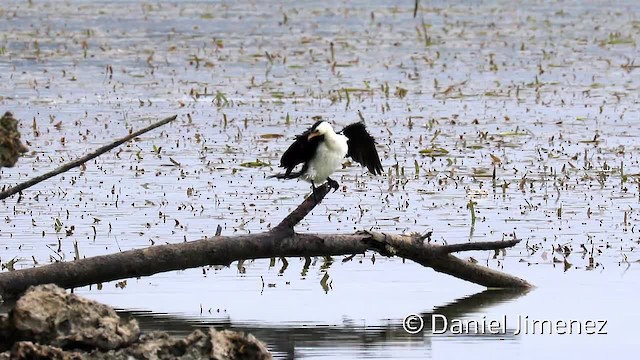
<point>68,166</point>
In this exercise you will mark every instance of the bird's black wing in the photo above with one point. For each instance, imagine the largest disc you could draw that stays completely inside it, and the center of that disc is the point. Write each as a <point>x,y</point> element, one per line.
<point>362,147</point>
<point>301,151</point>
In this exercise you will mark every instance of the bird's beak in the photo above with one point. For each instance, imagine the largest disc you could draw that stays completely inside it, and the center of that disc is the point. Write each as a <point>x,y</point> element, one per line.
<point>312,135</point>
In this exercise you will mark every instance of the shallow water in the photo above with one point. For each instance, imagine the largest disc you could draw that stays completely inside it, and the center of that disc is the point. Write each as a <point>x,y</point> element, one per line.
<point>546,93</point>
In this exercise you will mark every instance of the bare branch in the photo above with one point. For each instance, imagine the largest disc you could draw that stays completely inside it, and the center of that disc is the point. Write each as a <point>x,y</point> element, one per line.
<point>438,258</point>
<point>70,165</point>
<point>222,250</point>
<point>302,210</point>
<point>485,245</point>
<point>281,241</point>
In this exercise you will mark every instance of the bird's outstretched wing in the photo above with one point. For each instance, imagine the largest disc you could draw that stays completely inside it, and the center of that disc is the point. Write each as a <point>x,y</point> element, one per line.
<point>301,151</point>
<point>362,147</point>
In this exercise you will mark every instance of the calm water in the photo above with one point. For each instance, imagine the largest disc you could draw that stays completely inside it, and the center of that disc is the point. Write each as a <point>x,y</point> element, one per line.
<point>544,92</point>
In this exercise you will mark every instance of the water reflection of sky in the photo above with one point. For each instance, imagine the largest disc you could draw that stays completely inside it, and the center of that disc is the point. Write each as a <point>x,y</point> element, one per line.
<point>530,84</point>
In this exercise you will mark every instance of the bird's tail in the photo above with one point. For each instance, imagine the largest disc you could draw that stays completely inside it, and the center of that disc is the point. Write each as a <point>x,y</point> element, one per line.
<point>291,175</point>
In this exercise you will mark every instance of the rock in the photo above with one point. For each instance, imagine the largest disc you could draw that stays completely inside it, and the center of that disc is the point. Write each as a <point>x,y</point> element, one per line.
<point>158,345</point>
<point>26,350</point>
<point>49,323</point>
<point>10,145</point>
<point>234,345</point>
<point>47,314</point>
<point>215,345</point>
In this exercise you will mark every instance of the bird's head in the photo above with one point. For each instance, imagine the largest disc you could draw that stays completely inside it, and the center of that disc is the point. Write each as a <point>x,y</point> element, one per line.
<point>321,128</point>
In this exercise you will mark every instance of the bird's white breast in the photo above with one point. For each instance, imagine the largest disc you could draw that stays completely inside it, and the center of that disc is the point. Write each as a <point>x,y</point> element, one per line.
<point>329,157</point>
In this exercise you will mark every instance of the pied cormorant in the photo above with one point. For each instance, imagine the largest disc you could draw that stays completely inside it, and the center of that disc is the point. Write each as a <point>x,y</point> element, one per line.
<point>321,151</point>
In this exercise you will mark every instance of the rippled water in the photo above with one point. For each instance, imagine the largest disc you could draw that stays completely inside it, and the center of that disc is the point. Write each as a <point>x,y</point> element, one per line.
<point>544,92</point>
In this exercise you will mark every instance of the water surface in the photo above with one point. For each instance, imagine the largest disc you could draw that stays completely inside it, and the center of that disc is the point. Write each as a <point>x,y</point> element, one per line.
<point>545,93</point>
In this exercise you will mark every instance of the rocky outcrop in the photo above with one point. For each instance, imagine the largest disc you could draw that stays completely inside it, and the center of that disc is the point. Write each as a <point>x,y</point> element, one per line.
<point>48,323</point>
<point>10,145</point>
<point>48,315</point>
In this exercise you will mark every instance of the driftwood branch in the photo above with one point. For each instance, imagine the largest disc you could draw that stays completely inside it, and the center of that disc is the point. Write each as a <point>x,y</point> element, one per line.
<point>291,220</point>
<point>485,245</point>
<point>281,241</point>
<point>70,165</point>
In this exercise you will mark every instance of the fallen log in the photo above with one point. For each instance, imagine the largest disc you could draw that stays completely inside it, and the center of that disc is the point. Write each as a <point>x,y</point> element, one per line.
<point>281,241</point>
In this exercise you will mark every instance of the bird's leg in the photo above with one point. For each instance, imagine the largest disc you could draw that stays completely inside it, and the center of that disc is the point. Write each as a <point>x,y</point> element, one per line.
<point>313,188</point>
<point>333,184</point>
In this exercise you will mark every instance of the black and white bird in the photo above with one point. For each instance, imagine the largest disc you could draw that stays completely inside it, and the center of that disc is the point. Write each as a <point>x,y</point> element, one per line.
<point>321,152</point>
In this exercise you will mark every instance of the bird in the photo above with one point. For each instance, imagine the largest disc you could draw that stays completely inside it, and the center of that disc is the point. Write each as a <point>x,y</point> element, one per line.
<point>321,152</point>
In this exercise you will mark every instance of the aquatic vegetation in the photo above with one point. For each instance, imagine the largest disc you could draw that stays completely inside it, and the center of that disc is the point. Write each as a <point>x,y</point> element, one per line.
<point>532,109</point>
